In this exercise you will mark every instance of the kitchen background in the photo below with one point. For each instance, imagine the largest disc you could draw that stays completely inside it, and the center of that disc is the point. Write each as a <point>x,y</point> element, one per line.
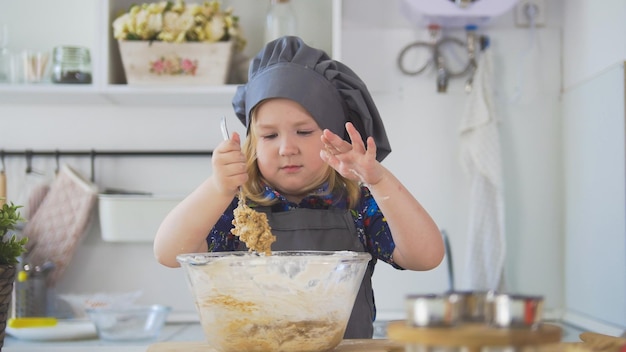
<point>559,98</point>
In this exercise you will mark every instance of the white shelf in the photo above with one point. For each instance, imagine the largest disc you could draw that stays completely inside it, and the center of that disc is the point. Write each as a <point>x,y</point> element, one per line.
<point>49,94</point>
<point>121,94</point>
<point>319,28</point>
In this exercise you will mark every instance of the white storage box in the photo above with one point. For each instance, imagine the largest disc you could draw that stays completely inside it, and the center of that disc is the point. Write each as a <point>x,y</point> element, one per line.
<point>133,218</point>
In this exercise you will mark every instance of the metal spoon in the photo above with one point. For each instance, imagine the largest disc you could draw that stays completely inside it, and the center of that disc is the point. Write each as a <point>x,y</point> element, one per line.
<point>226,137</point>
<point>224,129</point>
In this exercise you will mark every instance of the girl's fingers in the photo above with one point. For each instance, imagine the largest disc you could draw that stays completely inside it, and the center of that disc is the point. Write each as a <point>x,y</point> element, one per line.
<point>234,143</point>
<point>371,147</point>
<point>334,144</point>
<point>355,138</point>
<point>236,138</point>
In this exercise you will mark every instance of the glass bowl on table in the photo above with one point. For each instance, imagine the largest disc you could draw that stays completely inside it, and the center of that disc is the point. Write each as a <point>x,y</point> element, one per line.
<point>283,302</point>
<point>131,323</point>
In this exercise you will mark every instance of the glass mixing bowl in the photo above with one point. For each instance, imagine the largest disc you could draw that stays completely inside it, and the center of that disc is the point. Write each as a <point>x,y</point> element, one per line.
<point>288,301</point>
<point>129,323</point>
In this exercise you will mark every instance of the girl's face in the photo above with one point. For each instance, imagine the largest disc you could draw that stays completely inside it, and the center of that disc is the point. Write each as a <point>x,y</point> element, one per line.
<point>288,148</point>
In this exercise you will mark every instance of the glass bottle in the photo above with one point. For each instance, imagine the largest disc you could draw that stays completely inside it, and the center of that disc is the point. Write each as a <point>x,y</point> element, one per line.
<point>280,20</point>
<point>71,65</point>
<point>5,56</point>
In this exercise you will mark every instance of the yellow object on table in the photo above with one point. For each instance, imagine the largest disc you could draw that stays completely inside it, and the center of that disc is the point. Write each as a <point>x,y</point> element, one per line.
<point>22,276</point>
<point>31,322</point>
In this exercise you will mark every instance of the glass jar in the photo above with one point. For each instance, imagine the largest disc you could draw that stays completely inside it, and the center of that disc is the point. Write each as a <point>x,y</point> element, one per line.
<point>5,55</point>
<point>71,65</point>
<point>280,21</point>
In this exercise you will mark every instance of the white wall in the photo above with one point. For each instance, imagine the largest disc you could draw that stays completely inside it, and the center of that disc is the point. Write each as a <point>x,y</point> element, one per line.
<point>423,127</point>
<point>424,130</point>
<point>590,45</point>
<point>595,225</point>
<point>595,164</point>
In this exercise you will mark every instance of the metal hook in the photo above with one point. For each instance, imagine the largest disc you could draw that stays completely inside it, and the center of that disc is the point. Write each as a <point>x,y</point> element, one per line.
<point>93,167</point>
<point>29,161</point>
<point>57,155</point>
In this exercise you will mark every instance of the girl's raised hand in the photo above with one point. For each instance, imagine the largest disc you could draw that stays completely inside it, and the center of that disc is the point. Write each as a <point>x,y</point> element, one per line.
<point>353,160</point>
<point>229,165</point>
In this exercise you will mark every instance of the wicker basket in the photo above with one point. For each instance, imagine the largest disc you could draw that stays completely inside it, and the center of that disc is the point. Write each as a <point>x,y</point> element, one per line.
<point>189,63</point>
<point>7,279</point>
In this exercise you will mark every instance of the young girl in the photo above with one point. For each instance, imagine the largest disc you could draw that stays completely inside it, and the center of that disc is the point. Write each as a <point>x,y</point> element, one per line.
<point>306,165</point>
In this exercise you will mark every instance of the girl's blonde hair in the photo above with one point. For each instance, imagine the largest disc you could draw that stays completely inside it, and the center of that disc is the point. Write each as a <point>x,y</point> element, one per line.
<point>253,189</point>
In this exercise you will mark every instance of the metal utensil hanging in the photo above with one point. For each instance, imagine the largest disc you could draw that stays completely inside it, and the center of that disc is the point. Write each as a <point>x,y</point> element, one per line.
<point>438,56</point>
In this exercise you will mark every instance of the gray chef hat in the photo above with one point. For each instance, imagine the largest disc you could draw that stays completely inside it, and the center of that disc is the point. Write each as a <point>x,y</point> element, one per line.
<point>330,91</point>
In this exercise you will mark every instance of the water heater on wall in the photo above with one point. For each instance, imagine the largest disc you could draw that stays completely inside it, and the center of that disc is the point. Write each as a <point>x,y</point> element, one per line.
<point>454,13</point>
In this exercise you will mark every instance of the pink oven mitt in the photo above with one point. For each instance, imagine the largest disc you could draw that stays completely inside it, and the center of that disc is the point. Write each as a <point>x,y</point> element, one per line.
<point>56,228</point>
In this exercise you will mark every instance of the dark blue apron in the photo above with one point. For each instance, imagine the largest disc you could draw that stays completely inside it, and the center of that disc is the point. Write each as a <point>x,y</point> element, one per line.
<point>326,230</point>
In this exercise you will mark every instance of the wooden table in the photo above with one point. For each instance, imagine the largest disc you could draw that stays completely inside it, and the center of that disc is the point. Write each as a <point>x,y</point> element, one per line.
<point>473,336</point>
<point>356,345</point>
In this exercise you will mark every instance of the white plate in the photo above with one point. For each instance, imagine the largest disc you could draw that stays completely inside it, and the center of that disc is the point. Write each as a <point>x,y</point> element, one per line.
<point>64,330</point>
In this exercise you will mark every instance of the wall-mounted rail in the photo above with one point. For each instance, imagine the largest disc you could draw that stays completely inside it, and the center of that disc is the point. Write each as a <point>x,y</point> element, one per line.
<point>29,154</point>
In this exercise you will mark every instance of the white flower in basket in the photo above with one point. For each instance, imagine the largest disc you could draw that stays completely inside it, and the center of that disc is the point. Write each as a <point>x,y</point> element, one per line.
<point>177,43</point>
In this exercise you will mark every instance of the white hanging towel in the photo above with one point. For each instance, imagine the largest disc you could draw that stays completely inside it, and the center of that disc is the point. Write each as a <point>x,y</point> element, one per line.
<point>481,160</point>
